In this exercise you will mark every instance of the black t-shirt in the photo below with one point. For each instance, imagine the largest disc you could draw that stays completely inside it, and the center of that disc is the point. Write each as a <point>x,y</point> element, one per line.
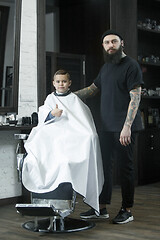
<point>115,82</point>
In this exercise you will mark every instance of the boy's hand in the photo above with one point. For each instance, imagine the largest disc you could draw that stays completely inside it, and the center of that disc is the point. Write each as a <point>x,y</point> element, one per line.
<point>56,112</point>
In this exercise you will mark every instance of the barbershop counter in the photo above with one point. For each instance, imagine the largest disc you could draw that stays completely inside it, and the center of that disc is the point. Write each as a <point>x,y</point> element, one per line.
<point>16,127</point>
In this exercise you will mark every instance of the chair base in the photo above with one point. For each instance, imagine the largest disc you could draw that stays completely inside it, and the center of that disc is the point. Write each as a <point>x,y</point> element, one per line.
<point>68,225</point>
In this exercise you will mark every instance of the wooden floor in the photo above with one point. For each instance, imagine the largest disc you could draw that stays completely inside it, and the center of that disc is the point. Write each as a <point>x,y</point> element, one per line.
<point>146,225</point>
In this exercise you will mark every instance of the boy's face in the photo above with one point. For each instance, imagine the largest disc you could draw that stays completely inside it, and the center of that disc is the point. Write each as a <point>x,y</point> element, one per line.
<point>61,83</point>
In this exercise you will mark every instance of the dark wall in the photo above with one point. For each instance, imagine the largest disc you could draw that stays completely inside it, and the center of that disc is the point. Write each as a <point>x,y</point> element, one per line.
<point>124,19</point>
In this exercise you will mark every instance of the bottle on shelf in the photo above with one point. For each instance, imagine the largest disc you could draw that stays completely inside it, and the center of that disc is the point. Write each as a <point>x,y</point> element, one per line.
<point>143,119</point>
<point>150,117</point>
<point>155,114</point>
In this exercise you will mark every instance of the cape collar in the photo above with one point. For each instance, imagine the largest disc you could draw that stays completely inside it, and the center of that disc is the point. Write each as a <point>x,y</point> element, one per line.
<point>62,94</point>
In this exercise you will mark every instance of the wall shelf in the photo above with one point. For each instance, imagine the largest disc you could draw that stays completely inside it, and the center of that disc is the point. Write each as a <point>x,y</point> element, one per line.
<point>148,30</point>
<point>149,64</point>
<point>16,127</point>
<point>148,51</point>
<point>151,97</point>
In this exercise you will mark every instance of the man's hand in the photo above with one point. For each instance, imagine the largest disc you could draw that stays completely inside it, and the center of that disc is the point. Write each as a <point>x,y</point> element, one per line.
<point>125,135</point>
<point>56,112</point>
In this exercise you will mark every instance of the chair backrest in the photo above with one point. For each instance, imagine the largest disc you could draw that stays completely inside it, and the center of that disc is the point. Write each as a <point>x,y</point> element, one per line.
<point>63,192</point>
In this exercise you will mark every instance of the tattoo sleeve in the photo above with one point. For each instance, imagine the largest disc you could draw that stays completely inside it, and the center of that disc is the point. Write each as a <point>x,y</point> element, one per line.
<point>87,92</point>
<point>135,95</point>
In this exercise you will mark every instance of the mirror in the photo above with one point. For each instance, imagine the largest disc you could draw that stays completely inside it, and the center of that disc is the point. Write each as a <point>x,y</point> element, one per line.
<point>10,12</point>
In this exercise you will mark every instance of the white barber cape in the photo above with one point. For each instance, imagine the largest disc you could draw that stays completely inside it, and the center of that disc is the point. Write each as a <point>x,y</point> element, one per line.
<point>64,149</point>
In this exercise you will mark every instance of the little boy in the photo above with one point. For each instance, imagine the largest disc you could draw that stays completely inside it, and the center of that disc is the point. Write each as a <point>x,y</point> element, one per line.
<point>64,147</point>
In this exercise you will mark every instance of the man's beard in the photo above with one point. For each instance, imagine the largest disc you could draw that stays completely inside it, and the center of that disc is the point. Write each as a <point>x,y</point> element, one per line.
<point>114,57</point>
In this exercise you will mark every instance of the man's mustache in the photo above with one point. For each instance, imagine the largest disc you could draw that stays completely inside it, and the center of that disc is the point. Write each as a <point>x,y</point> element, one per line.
<point>111,49</point>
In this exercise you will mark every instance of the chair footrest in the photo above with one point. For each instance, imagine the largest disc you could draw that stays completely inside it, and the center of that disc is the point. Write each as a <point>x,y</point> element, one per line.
<point>36,209</point>
<point>39,210</point>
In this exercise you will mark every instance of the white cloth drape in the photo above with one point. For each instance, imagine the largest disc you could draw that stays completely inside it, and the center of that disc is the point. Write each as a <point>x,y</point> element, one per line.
<point>65,149</point>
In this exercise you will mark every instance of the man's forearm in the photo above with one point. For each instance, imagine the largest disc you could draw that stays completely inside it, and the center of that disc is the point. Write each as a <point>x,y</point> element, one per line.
<point>135,95</point>
<point>87,92</point>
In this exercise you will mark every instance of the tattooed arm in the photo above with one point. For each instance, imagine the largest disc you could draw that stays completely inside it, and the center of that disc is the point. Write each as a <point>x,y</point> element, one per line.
<point>125,136</point>
<point>87,92</point>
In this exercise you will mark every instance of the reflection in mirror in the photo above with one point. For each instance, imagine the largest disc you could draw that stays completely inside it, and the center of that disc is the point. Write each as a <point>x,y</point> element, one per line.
<point>9,54</point>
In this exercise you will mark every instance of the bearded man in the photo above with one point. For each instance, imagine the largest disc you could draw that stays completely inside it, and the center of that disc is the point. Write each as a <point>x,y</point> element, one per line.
<point>119,81</point>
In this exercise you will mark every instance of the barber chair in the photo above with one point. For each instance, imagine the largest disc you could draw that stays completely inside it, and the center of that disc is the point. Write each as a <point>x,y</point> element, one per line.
<point>50,210</point>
